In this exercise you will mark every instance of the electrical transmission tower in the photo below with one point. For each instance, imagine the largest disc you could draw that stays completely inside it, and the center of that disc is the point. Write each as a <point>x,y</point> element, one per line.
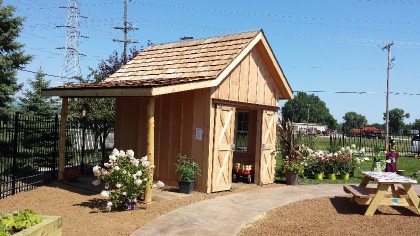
<point>70,69</point>
<point>127,26</point>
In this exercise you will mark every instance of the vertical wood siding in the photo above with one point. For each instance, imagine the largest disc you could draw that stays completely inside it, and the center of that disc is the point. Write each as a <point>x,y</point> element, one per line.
<point>249,82</point>
<point>177,116</point>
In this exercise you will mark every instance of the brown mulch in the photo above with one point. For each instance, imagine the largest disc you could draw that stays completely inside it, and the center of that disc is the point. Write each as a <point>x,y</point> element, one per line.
<point>334,216</point>
<point>82,213</point>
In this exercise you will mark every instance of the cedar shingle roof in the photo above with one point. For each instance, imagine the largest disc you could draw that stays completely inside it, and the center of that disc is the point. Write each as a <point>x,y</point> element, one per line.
<point>176,63</point>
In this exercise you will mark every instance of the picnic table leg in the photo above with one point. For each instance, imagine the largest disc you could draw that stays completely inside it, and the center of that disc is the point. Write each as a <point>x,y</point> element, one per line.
<point>413,196</point>
<point>364,182</point>
<point>380,194</point>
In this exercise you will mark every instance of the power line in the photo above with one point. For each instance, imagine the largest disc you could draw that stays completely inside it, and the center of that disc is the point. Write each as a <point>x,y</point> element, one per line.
<point>34,72</point>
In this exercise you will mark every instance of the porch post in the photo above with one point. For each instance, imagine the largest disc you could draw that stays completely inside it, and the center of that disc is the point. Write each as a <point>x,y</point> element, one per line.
<point>62,147</point>
<point>150,147</point>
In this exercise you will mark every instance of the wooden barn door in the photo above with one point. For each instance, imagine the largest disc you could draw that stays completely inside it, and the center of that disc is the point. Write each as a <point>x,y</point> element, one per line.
<point>268,146</point>
<point>224,132</point>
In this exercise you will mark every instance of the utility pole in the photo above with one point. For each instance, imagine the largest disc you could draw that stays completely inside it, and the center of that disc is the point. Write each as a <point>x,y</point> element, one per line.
<point>127,27</point>
<point>390,60</point>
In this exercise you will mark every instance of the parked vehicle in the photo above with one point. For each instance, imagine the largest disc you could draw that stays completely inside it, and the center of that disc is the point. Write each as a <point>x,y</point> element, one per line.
<point>415,145</point>
<point>372,132</point>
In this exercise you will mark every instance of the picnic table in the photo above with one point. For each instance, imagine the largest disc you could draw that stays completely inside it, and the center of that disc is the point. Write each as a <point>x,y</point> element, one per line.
<point>387,192</point>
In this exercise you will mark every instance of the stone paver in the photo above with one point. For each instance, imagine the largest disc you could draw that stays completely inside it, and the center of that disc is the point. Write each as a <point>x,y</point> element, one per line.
<point>227,215</point>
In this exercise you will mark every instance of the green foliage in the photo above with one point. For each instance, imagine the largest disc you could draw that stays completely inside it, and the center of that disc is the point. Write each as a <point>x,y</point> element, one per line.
<point>416,124</point>
<point>3,230</point>
<point>289,145</point>
<point>396,119</point>
<point>353,120</point>
<point>187,168</point>
<point>20,220</point>
<point>12,57</point>
<point>33,103</point>
<point>297,109</point>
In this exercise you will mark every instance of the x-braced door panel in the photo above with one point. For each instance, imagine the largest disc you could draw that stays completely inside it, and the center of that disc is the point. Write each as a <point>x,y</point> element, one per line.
<point>224,128</point>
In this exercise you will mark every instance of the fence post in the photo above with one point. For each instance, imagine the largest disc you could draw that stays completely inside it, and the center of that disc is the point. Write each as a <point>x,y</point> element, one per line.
<point>56,124</point>
<point>82,164</point>
<point>343,136</point>
<point>15,146</point>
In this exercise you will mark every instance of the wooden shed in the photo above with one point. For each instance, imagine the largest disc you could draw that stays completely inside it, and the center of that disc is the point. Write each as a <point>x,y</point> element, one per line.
<point>215,100</point>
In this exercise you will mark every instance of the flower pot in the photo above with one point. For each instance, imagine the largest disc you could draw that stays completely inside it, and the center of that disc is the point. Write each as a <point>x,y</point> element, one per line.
<point>291,178</point>
<point>318,176</point>
<point>129,205</point>
<point>186,187</point>
<point>331,176</point>
<point>345,176</point>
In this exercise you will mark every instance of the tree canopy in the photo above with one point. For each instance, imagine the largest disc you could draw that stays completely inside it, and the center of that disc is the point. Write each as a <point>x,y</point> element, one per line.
<point>396,119</point>
<point>12,56</point>
<point>308,108</point>
<point>33,102</point>
<point>354,120</point>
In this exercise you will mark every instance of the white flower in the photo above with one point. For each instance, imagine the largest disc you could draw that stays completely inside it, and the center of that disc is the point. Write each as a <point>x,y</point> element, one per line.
<point>134,176</point>
<point>116,168</point>
<point>124,172</point>
<point>113,158</point>
<point>108,206</point>
<point>130,153</point>
<point>145,163</point>
<point>109,203</point>
<point>138,182</point>
<point>122,153</point>
<point>124,193</point>
<point>353,146</point>
<point>144,158</point>
<point>367,159</point>
<point>96,182</point>
<point>139,173</point>
<point>135,162</point>
<point>107,165</point>
<point>115,152</point>
<point>105,194</point>
<point>96,168</point>
<point>118,185</point>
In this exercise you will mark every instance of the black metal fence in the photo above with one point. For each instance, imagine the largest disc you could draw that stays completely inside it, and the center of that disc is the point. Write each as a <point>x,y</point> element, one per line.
<point>28,147</point>
<point>29,151</point>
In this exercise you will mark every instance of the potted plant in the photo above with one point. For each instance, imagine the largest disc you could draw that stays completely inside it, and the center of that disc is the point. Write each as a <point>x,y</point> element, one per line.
<point>187,169</point>
<point>317,168</point>
<point>126,177</point>
<point>345,167</point>
<point>290,149</point>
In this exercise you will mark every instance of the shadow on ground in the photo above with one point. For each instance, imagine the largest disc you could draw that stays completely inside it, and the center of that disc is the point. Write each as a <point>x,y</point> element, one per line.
<point>343,205</point>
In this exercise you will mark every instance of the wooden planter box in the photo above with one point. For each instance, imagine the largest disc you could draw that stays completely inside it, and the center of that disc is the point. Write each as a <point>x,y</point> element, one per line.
<point>50,226</point>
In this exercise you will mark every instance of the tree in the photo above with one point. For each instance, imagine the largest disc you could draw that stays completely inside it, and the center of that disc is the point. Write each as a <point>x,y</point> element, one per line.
<point>305,106</point>
<point>396,119</point>
<point>378,126</point>
<point>12,57</point>
<point>354,120</point>
<point>33,102</point>
<point>99,113</point>
<point>416,125</point>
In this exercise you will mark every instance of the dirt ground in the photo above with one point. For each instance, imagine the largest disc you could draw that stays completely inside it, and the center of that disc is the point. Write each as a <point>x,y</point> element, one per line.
<point>334,216</point>
<point>82,214</point>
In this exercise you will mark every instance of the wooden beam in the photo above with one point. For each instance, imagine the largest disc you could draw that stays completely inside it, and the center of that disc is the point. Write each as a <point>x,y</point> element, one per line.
<point>245,105</point>
<point>150,147</point>
<point>62,147</point>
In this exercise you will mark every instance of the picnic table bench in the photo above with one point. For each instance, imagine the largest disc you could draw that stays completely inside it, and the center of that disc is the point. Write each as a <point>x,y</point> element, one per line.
<point>385,193</point>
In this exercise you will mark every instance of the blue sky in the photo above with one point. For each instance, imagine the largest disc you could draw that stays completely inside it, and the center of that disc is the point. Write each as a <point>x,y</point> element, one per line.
<point>327,45</point>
